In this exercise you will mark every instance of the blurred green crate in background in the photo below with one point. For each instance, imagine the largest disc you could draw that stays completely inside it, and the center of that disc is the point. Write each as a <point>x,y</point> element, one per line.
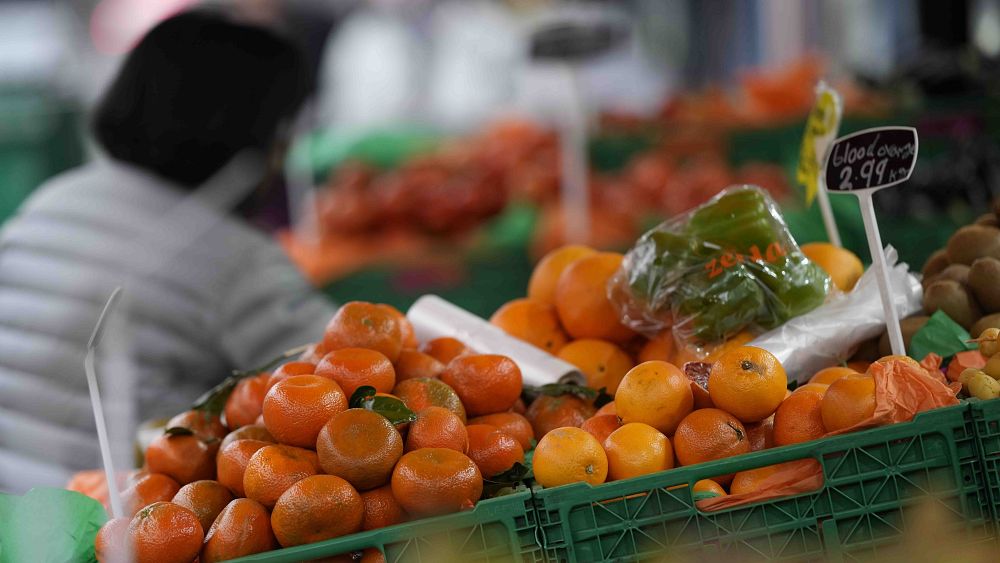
<point>40,136</point>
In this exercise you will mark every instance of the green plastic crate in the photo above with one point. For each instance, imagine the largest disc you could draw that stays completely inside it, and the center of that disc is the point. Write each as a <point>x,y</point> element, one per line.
<point>871,479</point>
<point>501,529</point>
<point>986,415</point>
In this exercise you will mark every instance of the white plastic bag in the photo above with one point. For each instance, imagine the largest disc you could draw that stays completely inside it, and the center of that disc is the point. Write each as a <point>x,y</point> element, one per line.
<point>830,333</point>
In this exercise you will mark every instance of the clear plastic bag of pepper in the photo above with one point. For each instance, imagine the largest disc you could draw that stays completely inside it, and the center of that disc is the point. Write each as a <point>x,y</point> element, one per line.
<point>726,266</point>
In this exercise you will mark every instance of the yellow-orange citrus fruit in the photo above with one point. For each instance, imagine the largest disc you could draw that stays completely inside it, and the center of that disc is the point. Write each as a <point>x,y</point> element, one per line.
<point>533,321</point>
<point>747,382</point>
<point>602,363</point>
<point>568,455</point>
<point>848,401</point>
<point>654,393</point>
<point>637,449</point>
<point>582,299</point>
<point>545,277</point>
<point>799,418</point>
<point>831,374</point>
<point>842,265</point>
<point>708,435</point>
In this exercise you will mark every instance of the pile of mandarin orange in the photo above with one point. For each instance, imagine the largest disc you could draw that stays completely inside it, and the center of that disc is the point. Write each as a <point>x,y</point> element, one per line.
<point>289,462</point>
<point>661,416</point>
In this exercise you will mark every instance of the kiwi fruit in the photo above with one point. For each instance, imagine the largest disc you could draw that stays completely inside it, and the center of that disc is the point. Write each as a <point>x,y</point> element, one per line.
<point>908,327</point>
<point>952,298</point>
<point>984,281</point>
<point>988,220</point>
<point>936,263</point>
<point>989,321</point>
<point>971,242</point>
<point>957,272</point>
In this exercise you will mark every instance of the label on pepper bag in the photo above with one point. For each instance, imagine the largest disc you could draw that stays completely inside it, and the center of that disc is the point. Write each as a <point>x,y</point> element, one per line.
<point>724,267</point>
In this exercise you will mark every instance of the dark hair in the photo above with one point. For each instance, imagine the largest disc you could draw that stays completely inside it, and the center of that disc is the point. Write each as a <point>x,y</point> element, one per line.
<point>196,90</point>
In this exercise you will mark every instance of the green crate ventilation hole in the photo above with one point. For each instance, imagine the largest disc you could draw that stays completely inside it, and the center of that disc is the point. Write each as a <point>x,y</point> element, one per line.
<point>986,415</point>
<point>872,479</point>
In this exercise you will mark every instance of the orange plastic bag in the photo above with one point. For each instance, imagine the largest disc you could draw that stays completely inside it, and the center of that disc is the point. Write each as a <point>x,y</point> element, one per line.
<point>901,391</point>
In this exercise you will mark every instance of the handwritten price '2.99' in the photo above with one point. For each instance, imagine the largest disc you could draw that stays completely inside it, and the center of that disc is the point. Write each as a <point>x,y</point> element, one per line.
<point>871,173</point>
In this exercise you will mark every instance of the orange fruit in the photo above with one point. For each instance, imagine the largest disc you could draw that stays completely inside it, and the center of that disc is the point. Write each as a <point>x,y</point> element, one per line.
<point>601,426</point>
<point>799,418</point>
<point>569,455</point>
<point>707,435</point>
<point>545,276</point>
<point>437,427</point>
<point>486,383</point>
<point>444,349</point>
<point>381,509</point>
<point>353,367</point>
<point>249,432</point>
<point>405,327</point>
<point>111,542</point>
<point>361,446</point>
<point>413,364</point>
<point>842,265</point>
<point>749,480</point>
<point>707,488</point>
<point>317,508</point>
<point>534,322</point>
<point>372,555</point>
<point>359,324</point>
<point>654,393</point>
<point>859,366</point>
<point>519,407</point>
<point>814,387</point>
<point>602,363</point>
<point>231,463</point>
<point>761,434</point>
<point>182,458</point>
<point>512,423</point>
<point>423,392</point>
<point>848,401</point>
<point>313,353</point>
<point>242,528</point>
<point>147,489</point>
<point>164,532</point>
<point>493,450</point>
<point>736,341</point>
<point>297,407</point>
<point>272,469</point>
<point>244,403</point>
<point>205,498</point>
<point>582,299</point>
<point>548,412</point>
<point>897,358</point>
<point>659,348</point>
<point>286,370</point>
<point>830,374</point>
<point>609,408</point>
<point>637,449</point>
<point>747,382</point>
<point>205,426</point>
<point>433,481</point>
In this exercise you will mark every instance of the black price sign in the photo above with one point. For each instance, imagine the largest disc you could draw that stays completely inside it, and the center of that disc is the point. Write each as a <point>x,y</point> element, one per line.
<point>871,159</point>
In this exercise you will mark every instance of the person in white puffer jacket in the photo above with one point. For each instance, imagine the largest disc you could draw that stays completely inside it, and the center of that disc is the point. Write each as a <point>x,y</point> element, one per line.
<point>195,103</point>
